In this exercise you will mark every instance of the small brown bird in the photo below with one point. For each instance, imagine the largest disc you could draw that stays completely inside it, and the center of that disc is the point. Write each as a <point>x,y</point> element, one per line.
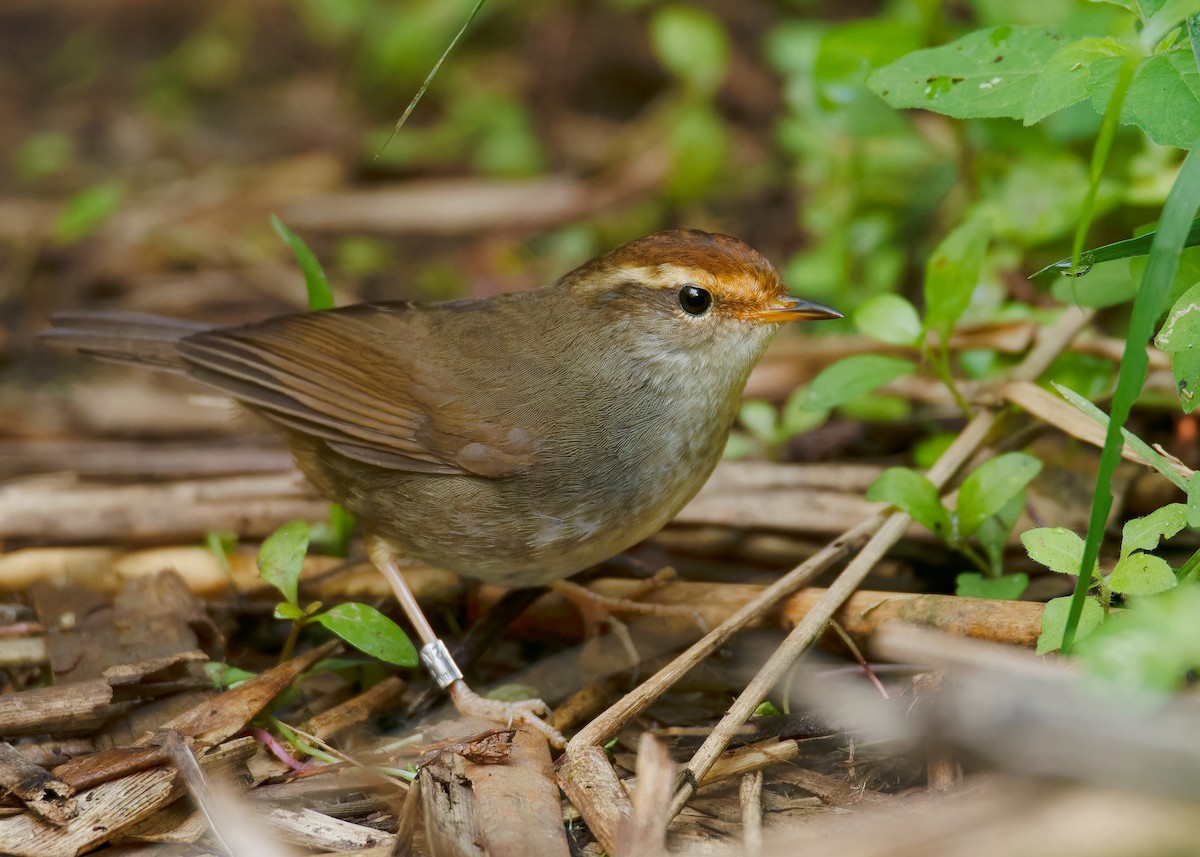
<point>517,439</point>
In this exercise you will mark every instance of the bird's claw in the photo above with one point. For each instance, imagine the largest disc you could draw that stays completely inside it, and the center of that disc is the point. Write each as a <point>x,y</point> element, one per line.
<point>525,712</point>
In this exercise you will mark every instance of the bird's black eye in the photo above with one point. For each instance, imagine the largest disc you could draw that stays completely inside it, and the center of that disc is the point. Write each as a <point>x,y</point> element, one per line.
<point>695,300</point>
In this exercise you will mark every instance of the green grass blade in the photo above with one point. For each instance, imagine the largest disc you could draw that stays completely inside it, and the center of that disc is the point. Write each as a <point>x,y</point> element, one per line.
<point>1148,306</point>
<point>320,295</point>
<point>1126,249</point>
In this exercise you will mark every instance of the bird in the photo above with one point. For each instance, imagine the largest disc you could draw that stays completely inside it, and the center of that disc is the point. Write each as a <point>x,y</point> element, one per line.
<point>518,438</point>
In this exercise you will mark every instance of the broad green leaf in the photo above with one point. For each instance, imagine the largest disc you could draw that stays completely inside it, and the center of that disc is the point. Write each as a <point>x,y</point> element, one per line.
<point>1143,534</point>
<point>952,274</point>
<point>1181,329</point>
<point>1141,574</point>
<point>320,295</point>
<point>929,449</point>
<point>972,584</point>
<point>86,211</point>
<point>991,486</point>
<point>1057,548</point>
<point>890,319</point>
<point>913,494</point>
<point>1154,644</point>
<point>1054,621</point>
<point>281,558</point>
<point>691,44</point>
<point>1040,199</point>
<point>369,631</point>
<point>1064,79</point>
<point>852,378</point>
<point>1162,99</point>
<point>1186,367</point>
<point>760,419</point>
<point>985,74</point>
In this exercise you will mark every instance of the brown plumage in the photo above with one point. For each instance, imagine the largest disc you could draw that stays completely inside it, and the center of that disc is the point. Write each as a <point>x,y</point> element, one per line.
<point>518,438</point>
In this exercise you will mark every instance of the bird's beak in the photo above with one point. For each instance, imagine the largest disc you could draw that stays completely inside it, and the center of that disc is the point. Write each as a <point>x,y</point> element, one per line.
<point>788,308</point>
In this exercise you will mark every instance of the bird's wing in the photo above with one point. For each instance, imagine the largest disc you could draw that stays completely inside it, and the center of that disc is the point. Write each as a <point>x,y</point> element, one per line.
<point>350,378</point>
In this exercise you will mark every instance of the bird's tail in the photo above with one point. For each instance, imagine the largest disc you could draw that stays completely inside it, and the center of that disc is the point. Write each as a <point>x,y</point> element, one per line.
<point>128,337</point>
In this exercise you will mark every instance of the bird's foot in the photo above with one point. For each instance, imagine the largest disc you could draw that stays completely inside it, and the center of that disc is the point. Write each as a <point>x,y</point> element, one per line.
<point>599,610</point>
<point>525,712</point>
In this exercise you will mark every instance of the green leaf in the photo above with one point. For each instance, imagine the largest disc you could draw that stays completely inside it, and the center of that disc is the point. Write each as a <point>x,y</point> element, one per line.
<point>913,494</point>
<point>1143,534</point>
<point>691,44</point>
<point>1162,99</point>
<point>985,74</point>
<point>852,378</point>
<point>289,611</point>
<point>1054,620</point>
<point>972,584</point>
<point>85,212</point>
<point>1186,367</point>
<point>1181,329</point>
<point>1193,502</point>
<point>1127,249</point>
<point>1141,574</point>
<point>1154,644</point>
<point>890,319</point>
<point>281,558</point>
<point>1064,79</point>
<point>952,274</point>
<point>1057,548</point>
<point>370,631</point>
<point>320,295</point>
<point>993,484</point>
<point>766,708</point>
<point>332,537</point>
<point>760,419</point>
<point>223,676</point>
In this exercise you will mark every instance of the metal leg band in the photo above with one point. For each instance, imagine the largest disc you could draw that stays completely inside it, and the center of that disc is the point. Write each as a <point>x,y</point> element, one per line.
<point>436,658</point>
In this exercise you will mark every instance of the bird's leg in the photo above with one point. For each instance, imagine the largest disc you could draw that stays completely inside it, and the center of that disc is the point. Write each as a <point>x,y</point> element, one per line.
<point>441,666</point>
<point>602,610</point>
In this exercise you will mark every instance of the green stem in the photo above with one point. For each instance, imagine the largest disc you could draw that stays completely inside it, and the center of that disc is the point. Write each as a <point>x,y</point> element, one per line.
<point>970,553</point>
<point>940,361</point>
<point>289,646</point>
<point>1188,570</point>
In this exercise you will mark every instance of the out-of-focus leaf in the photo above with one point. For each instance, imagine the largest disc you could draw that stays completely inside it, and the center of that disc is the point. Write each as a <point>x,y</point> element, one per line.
<point>991,486</point>
<point>853,377</point>
<point>972,584</point>
<point>890,319</point>
<point>952,274</point>
<point>913,494</point>
<point>281,558</point>
<point>691,44</point>
<point>1054,621</point>
<point>85,212</point>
